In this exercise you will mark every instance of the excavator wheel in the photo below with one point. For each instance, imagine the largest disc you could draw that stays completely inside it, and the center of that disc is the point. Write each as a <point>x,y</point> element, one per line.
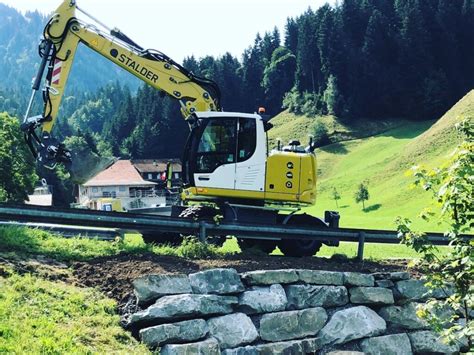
<point>207,213</point>
<point>266,246</point>
<point>299,247</point>
<point>169,238</point>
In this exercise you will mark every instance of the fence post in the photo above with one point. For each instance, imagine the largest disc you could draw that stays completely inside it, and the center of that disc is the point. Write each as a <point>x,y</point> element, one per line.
<point>202,231</point>
<point>360,247</point>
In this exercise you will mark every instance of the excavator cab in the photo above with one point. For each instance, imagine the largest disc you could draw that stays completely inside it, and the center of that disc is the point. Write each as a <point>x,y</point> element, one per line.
<point>225,153</point>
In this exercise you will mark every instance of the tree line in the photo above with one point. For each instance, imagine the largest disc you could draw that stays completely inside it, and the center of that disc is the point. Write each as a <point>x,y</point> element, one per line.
<point>361,58</point>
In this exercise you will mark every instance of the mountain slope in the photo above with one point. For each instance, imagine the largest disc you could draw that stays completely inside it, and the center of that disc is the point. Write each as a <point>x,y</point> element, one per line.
<point>382,161</point>
<point>19,60</point>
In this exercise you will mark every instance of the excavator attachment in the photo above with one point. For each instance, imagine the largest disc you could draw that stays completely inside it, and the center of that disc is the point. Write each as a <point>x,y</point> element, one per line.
<point>80,162</point>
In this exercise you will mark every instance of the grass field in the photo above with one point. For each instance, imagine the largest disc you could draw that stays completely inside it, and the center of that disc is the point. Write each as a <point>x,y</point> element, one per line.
<point>382,162</point>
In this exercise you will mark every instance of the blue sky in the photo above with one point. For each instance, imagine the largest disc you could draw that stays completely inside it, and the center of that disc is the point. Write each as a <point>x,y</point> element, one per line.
<point>180,28</point>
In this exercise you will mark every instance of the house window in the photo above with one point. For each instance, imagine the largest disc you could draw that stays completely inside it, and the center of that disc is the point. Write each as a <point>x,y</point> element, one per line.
<point>122,188</point>
<point>112,194</point>
<point>95,189</point>
<point>176,175</point>
<point>150,176</point>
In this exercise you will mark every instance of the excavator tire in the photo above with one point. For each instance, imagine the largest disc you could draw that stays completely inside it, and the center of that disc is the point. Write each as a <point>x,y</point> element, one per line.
<point>266,246</point>
<point>298,247</point>
<point>207,213</point>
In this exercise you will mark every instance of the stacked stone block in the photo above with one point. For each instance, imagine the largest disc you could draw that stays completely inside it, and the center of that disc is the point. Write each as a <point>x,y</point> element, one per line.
<point>219,311</point>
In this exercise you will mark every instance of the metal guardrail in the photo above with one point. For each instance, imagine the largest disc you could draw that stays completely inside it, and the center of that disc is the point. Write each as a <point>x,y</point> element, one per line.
<point>146,223</point>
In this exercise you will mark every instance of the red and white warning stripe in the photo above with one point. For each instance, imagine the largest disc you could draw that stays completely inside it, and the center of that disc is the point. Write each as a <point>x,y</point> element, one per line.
<point>56,71</point>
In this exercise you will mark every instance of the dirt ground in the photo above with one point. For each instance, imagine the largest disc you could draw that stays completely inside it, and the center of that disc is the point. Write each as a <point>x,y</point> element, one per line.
<point>114,275</point>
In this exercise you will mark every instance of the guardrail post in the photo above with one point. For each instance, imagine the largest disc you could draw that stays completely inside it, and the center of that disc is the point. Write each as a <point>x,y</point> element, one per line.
<point>202,231</point>
<point>360,247</point>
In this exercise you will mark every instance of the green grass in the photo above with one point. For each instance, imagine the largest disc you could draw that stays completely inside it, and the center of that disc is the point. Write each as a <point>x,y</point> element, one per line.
<point>383,161</point>
<point>23,242</point>
<point>39,316</point>
<point>26,241</point>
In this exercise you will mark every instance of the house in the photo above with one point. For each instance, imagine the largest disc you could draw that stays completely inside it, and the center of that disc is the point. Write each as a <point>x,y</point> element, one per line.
<point>155,170</point>
<point>121,181</point>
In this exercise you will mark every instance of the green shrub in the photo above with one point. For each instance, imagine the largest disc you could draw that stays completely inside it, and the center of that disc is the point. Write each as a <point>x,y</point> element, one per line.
<point>452,186</point>
<point>192,248</point>
<point>320,135</point>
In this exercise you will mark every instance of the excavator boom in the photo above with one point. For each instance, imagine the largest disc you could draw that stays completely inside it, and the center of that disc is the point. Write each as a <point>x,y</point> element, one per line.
<point>62,34</point>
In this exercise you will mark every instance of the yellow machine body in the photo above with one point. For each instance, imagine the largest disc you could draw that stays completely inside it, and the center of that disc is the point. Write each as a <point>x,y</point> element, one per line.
<point>290,178</point>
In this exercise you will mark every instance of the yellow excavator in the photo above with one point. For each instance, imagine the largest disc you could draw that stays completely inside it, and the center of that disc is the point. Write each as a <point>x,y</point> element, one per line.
<point>228,169</point>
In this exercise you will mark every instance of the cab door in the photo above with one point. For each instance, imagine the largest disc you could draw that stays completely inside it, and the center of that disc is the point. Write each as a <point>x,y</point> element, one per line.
<point>215,154</point>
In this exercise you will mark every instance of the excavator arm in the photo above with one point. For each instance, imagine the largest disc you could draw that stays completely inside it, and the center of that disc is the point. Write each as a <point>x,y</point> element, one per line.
<point>62,34</point>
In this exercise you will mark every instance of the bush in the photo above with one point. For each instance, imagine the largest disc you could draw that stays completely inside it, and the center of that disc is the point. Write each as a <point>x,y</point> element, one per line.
<point>192,248</point>
<point>320,135</point>
<point>452,186</point>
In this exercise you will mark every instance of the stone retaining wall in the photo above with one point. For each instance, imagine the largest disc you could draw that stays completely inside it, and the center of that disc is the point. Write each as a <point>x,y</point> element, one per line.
<point>219,311</point>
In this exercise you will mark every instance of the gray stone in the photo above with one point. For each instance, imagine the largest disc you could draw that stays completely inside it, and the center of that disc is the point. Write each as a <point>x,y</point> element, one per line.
<point>180,332</point>
<point>350,324</point>
<point>395,344</point>
<point>400,275</point>
<point>381,275</point>
<point>270,277</point>
<point>358,279</point>
<point>305,296</point>
<point>344,352</point>
<point>402,317</point>
<point>178,307</point>
<point>263,300</point>
<point>292,324</point>
<point>149,288</point>
<point>384,283</point>
<point>415,290</point>
<point>232,330</point>
<point>206,347</point>
<point>426,341</point>
<point>294,347</point>
<point>243,350</point>
<point>217,281</point>
<point>319,277</point>
<point>412,290</point>
<point>394,276</point>
<point>371,295</point>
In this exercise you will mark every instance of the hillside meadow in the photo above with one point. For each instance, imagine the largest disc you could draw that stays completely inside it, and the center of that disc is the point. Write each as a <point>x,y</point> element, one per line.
<point>383,161</point>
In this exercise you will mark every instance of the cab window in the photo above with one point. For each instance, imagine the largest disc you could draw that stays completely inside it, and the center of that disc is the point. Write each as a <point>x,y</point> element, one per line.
<point>217,145</point>
<point>247,138</point>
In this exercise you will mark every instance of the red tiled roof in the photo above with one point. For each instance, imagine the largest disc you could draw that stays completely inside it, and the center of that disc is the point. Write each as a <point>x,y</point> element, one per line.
<point>156,165</point>
<point>121,172</point>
